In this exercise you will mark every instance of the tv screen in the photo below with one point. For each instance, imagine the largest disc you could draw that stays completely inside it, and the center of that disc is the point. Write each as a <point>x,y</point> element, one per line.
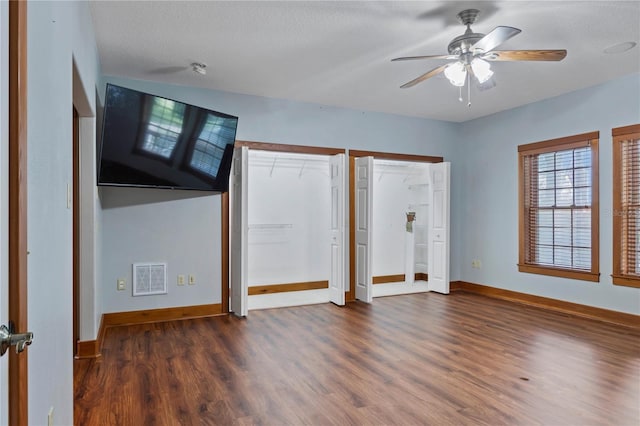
<point>151,141</point>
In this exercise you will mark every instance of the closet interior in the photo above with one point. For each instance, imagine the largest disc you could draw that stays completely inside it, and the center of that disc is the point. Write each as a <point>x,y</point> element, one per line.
<point>288,227</point>
<point>401,227</point>
<point>293,227</point>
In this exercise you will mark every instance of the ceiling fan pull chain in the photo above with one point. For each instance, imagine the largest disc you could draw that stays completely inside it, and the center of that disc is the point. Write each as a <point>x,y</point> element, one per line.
<point>460,96</point>
<point>469,89</point>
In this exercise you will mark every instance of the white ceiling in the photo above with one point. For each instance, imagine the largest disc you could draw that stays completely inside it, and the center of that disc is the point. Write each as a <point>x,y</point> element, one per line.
<point>338,53</point>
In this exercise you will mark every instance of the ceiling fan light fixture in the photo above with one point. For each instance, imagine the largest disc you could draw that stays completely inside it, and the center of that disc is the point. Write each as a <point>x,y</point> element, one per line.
<point>456,73</point>
<point>481,69</point>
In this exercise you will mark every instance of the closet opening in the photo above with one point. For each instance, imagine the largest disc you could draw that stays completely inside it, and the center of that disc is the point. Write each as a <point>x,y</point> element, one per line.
<point>399,239</point>
<point>288,226</point>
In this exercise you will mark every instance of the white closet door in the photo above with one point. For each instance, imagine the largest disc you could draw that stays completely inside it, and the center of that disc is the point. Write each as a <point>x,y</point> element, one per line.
<point>438,239</point>
<point>364,209</point>
<point>336,282</point>
<point>239,232</point>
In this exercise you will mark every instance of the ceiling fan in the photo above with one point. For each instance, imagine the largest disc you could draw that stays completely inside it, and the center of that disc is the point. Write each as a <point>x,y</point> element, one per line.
<point>196,67</point>
<point>471,51</point>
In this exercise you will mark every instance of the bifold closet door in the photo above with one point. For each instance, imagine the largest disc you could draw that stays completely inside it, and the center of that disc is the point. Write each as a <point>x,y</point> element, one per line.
<point>419,203</point>
<point>364,209</point>
<point>239,232</point>
<point>337,280</point>
<point>438,237</point>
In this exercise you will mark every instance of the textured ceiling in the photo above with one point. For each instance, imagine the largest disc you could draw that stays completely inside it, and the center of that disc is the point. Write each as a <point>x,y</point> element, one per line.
<point>338,53</point>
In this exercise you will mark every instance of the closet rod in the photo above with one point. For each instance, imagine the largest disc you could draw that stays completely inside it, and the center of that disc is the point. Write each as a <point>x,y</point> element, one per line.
<point>273,166</point>
<point>270,225</point>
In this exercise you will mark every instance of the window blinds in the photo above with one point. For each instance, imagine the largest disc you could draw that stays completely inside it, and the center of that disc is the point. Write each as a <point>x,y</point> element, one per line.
<point>557,203</point>
<point>628,210</point>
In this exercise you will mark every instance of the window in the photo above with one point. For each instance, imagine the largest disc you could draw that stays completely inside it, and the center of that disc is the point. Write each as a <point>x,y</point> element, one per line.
<point>558,186</point>
<point>211,143</point>
<point>164,127</point>
<point>626,206</point>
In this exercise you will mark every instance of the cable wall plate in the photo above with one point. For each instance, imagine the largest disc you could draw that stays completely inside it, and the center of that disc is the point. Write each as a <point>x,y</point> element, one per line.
<point>149,278</point>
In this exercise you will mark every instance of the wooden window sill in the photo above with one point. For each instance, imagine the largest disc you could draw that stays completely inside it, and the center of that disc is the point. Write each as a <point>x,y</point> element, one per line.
<point>560,272</point>
<point>626,280</point>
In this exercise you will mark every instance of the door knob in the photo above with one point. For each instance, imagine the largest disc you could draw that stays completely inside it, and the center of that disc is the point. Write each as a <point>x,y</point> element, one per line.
<point>8,338</point>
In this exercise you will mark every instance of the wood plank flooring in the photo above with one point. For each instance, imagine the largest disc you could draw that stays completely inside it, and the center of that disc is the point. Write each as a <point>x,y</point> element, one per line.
<point>416,359</point>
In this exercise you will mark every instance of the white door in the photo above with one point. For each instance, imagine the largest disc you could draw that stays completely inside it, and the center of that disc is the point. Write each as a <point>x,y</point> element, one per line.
<point>336,282</point>
<point>364,209</point>
<point>438,240</point>
<point>239,292</point>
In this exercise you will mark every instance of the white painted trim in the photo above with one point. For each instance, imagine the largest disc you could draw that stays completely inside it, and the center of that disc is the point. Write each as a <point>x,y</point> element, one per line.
<point>288,299</point>
<point>89,314</point>
<point>393,289</point>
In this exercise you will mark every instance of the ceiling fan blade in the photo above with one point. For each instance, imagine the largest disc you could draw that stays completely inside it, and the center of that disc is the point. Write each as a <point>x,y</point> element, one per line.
<point>495,38</point>
<point>167,70</point>
<point>412,58</point>
<point>424,76</point>
<point>525,55</point>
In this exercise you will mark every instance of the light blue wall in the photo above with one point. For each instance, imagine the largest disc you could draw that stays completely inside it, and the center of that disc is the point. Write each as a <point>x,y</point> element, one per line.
<point>58,33</point>
<point>488,169</point>
<point>295,123</point>
<point>260,119</point>
<point>483,153</point>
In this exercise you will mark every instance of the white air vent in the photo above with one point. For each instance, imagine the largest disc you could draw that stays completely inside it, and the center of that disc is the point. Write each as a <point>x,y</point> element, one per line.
<point>149,278</point>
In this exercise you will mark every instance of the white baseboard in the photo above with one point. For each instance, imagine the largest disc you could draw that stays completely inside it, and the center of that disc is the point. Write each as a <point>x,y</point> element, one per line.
<point>392,289</point>
<point>290,298</point>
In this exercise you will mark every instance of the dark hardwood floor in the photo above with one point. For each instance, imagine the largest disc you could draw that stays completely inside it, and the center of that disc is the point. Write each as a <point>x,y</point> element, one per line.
<point>416,359</point>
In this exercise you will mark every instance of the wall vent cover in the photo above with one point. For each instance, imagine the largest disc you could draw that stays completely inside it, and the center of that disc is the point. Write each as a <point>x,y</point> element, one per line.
<point>149,278</point>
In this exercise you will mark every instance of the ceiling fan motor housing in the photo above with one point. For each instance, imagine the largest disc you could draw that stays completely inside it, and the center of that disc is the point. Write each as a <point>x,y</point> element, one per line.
<point>462,44</point>
<point>468,16</point>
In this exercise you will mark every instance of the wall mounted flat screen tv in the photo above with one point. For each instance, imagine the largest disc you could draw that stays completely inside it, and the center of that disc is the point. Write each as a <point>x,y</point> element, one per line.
<point>151,141</point>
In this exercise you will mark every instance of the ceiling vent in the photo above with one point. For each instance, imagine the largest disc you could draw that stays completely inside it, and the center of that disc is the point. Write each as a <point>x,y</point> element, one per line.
<point>149,278</point>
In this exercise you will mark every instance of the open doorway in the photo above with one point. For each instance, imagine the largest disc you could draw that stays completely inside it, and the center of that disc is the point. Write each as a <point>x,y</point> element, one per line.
<point>84,204</point>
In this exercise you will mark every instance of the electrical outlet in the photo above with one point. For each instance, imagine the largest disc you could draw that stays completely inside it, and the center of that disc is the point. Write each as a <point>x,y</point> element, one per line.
<point>180,279</point>
<point>50,417</point>
<point>475,263</point>
<point>192,279</point>
<point>122,284</point>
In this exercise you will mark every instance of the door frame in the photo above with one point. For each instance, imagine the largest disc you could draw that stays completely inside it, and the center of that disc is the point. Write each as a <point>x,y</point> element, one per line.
<point>353,154</point>
<point>224,267</point>
<point>76,230</point>
<point>238,268</point>
<point>17,244</point>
